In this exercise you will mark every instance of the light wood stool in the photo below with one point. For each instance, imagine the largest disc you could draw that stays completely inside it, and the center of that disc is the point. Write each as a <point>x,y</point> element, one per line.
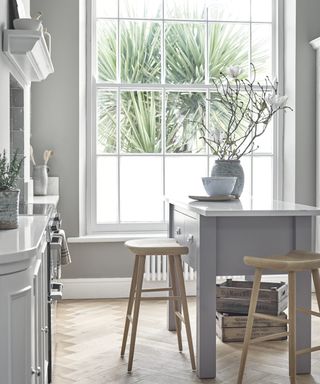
<point>295,261</point>
<point>165,247</point>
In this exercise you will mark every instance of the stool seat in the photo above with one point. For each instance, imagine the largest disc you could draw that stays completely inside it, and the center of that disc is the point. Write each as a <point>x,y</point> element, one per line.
<point>160,247</point>
<point>293,261</point>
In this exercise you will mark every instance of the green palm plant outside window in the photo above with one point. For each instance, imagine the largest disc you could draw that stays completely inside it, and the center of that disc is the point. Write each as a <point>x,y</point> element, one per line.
<point>140,63</point>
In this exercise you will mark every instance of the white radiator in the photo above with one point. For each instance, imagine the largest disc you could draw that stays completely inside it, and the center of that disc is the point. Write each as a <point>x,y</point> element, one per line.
<point>156,269</point>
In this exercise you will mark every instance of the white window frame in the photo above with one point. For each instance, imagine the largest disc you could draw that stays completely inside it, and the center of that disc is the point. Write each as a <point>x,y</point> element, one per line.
<point>92,85</point>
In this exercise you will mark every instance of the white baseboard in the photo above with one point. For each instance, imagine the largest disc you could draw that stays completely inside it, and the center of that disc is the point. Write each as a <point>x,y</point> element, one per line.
<point>111,288</point>
<point>115,288</point>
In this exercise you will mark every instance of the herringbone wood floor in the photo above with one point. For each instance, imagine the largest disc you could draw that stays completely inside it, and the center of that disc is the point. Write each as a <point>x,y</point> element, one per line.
<point>89,334</point>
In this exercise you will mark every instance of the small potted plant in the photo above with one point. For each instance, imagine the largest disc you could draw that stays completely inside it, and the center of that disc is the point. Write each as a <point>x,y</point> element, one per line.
<point>9,195</point>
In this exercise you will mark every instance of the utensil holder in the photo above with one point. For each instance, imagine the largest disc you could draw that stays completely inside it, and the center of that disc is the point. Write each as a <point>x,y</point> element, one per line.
<point>40,180</point>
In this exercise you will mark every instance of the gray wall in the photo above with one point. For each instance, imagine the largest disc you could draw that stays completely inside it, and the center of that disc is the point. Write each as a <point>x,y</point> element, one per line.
<point>55,105</point>
<point>302,26</point>
<point>55,123</point>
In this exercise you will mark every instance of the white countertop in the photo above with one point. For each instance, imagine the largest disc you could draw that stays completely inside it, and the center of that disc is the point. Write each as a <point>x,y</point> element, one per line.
<point>245,206</point>
<point>48,199</point>
<point>19,246</point>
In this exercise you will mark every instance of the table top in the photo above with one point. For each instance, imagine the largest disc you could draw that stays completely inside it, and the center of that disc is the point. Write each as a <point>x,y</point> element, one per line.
<point>245,206</point>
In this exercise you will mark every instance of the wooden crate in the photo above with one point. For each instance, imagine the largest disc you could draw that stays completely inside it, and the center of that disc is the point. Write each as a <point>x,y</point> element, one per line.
<point>232,327</point>
<point>234,297</point>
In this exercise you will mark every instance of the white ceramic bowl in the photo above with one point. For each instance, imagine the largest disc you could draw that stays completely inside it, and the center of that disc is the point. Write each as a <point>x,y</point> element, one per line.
<point>27,24</point>
<point>218,185</point>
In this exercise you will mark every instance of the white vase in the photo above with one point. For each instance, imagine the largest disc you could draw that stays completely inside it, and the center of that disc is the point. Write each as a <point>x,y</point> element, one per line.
<point>40,180</point>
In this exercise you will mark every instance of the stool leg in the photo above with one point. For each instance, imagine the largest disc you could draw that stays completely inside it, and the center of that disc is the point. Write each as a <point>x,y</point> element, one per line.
<point>140,273</point>
<point>182,289</point>
<point>175,303</point>
<point>130,305</point>
<point>292,327</point>
<point>316,281</point>
<point>252,309</point>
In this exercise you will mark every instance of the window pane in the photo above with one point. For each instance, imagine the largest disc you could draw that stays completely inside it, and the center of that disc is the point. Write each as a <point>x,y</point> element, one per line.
<point>185,9</point>
<point>185,53</point>
<point>183,175</point>
<point>261,10</point>
<point>229,128</point>
<point>262,177</point>
<point>265,142</point>
<point>229,10</point>
<point>141,189</point>
<point>228,46</point>
<point>106,121</point>
<point>141,122</point>
<point>106,50</point>
<point>262,49</point>
<point>107,8</point>
<point>107,189</point>
<point>184,114</point>
<point>149,9</point>
<point>140,52</point>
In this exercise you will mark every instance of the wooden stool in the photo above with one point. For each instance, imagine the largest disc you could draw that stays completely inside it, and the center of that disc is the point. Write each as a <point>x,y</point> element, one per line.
<point>170,248</point>
<point>293,262</point>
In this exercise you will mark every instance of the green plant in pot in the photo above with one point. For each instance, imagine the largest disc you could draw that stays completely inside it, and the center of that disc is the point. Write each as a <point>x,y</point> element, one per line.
<point>241,110</point>
<point>9,195</point>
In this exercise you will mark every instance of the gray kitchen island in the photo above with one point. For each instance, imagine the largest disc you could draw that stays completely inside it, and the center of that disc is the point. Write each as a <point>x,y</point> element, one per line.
<point>219,235</point>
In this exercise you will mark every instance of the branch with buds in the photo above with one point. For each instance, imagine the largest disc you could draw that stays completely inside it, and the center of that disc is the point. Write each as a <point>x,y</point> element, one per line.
<point>247,107</point>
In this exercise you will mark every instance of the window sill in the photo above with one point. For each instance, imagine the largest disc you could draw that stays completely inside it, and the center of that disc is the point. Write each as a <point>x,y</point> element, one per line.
<point>114,237</point>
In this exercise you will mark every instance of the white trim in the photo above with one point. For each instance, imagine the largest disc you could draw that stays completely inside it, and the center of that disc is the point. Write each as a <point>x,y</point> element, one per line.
<point>278,131</point>
<point>115,237</point>
<point>90,207</point>
<point>111,288</point>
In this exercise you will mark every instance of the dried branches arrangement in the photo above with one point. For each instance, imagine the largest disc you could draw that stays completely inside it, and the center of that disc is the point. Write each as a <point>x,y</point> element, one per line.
<point>246,107</point>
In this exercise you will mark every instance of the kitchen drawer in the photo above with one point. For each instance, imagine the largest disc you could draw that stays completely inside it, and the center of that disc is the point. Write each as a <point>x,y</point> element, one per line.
<point>186,232</point>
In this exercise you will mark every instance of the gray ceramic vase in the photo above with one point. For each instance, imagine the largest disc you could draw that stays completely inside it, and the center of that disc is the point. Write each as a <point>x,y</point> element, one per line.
<point>230,168</point>
<point>9,206</point>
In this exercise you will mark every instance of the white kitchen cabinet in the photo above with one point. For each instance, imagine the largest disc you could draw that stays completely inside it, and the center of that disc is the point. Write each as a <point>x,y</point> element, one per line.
<point>16,347</point>
<point>40,318</point>
<point>23,303</point>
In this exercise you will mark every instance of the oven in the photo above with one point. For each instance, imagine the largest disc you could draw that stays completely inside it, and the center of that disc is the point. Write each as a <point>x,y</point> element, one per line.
<point>55,287</point>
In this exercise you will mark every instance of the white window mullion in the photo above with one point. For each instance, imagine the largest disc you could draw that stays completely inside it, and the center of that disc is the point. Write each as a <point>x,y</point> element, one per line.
<point>163,102</point>
<point>206,49</point>
<point>119,150</point>
<point>118,109</point>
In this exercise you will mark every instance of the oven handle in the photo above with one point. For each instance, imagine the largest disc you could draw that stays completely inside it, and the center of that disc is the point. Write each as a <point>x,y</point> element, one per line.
<point>56,291</point>
<point>56,243</point>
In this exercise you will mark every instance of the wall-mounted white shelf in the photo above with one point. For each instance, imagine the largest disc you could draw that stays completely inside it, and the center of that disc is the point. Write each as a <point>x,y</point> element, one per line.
<point>28,52</point>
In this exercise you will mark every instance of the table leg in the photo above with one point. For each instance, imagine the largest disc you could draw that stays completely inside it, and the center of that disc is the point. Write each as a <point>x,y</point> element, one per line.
<point>206,299</point>
<point>303,240</point>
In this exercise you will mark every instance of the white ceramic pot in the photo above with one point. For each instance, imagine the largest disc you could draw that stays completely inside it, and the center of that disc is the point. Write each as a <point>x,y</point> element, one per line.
<point>27,24</point>
<point>40,180</point>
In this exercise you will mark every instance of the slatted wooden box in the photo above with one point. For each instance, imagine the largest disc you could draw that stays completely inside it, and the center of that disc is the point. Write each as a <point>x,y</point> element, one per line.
<point>232,327</point>
<point>234,297</point>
